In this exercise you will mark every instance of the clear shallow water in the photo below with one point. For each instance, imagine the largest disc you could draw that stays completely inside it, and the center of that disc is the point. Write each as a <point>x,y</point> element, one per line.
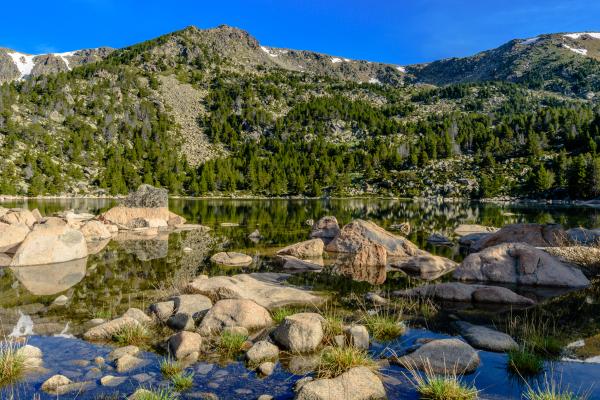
<point>129,272</point>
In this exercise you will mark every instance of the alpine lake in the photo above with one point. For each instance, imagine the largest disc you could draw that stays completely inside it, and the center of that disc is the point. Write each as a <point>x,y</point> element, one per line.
<point>135,273</point>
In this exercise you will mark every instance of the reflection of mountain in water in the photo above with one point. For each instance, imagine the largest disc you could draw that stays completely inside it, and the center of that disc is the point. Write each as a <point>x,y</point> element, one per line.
<point>49,279</point>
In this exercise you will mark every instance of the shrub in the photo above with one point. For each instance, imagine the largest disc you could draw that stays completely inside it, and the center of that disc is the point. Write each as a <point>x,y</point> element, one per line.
<point>154,394</point>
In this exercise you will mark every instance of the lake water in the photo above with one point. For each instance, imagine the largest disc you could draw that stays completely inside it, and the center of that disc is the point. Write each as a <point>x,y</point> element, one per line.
<point>129,272</point>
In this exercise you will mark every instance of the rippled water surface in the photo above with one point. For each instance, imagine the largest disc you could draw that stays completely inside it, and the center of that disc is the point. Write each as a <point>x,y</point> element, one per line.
<point>127,272</point>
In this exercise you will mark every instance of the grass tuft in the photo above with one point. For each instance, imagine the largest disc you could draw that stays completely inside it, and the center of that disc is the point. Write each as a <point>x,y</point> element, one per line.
<point>170,368</point>
<point>230,343</point>
<point>12,363</point>
<point>537,333</point>
<point>333,326</point>
<point>384,327</point>
<point>432,386</point>
<point>183,381</point>
<point>154,394</point>
<point>132,334</point>
<point>524,362</point>
<point>280,314</point>
<point>551,390</point>
<point>334,361</point>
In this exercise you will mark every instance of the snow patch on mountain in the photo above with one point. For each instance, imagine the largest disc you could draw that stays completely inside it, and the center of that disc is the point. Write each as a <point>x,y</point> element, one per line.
<point>583,52</point>
<point>267,50</point>
<point>336,60</point>
<point>401,69</point>
<point>595,35</point>
<point>24,63</point>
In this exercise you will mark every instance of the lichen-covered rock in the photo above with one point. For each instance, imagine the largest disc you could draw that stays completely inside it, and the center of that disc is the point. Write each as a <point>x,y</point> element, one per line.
<point>300,333</point>
<point>306,249</point>
<point>359,233</point>
<point>519,263</point>
<point>442,356</point>
<point>359,383</point>
<point>234,312</point>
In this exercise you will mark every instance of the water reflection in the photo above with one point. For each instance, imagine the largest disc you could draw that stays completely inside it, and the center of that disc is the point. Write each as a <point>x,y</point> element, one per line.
<point>49,279</point>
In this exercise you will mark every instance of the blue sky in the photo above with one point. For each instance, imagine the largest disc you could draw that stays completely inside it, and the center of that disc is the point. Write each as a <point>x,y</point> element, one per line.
<point>401,32</point>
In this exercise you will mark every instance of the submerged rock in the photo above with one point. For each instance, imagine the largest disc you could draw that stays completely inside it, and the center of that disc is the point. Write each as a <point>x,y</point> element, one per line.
<point>442,356</point>
<point>439,240</point>
<point>47,244</point>
<point>294,263</point>
<point>306,249</point>
<point>359,383</point>
<point>532,234</point>
<point>485,338</point>
<point>359,233</point>
<point>231,259</point>
<point>300,333</point>
<point>519,263</point>
<point>234,312</point>
<point>260,288</point>
<point>456,291</point>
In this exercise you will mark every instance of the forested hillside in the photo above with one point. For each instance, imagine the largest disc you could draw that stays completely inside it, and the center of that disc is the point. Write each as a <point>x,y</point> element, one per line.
<point>273,122</point>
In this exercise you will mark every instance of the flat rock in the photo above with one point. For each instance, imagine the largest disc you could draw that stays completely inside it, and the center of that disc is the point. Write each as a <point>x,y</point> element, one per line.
<point>536,235</point>
<point>108,329</point>
<point>519,263</point>
<point>468,229</point>
<point>485,338</point>
<point>231,259</point>
<point>300,333</point>
<point>423,264</point>
<point>306,249</point>
<point>268,293</point>
<point>11,236</point>
<point>126,217</point>
<point>359,383</point>
<point>112,381</point>
<point>439,239</point>
<point>48,244</point>
<point>358,233</point>
<point>456,291</point>
<point>325,228</point>
<point>235,312</point>
<point>443,356</point>
<point>294,263</point>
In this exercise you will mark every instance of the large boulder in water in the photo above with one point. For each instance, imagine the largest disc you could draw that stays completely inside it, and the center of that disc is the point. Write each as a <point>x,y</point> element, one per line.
<point>264,289</point>
<point>366,265</point>
<point>470,229</point>
<point>482,337</point>
<point>147,196</point>
<point>234,313</point>
<point>50,243</point>
<point>325,228</point>
<point>131,217</point>
<point>536,235</point>
<point>442,356</point>
<point>358,383</point>
<point>307,249</point>
<point>359,233</point>
<point>519,263</point>
<point>11,236</point>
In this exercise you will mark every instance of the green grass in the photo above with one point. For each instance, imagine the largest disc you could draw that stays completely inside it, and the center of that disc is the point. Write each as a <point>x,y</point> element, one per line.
<point>132,334</point>
<point>170,368</point>
<point>12,364</point>
<point>383,327</point>
<point>551,390</point>
<point>524,362</point>
<point>432,386</point>
<point>155,394</point>
<point>334,361</point>
<point>183,381</point>
<point>230,343</point>
<point>280,314</point>
<point>333,326</point>
<point>537,332</point>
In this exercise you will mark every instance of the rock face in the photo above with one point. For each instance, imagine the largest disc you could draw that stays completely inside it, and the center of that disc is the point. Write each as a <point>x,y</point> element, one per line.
<point>231,259</point>
<point>325,228</point>
<point>485,338</point>
<point>11,236</point>
<point>234,312</point>
<point>266,293</point>
<point>95,230</point>
<point>443,356</point>
<point>456,291</point>
<point>359,383</point>
<point>519,263</point>
<point>359,233</point>
<point>185,345</point>
<point>147,196</point>
<point>532,234</point>
<point>300,333</point>
<point>307,249</point>
<point>47,244</point>
<point>424,264</point>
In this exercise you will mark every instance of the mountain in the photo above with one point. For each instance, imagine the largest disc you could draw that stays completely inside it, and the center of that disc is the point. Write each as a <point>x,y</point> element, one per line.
<point>15,65</point>
<point>567,63</point>
<point>215,112</point>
